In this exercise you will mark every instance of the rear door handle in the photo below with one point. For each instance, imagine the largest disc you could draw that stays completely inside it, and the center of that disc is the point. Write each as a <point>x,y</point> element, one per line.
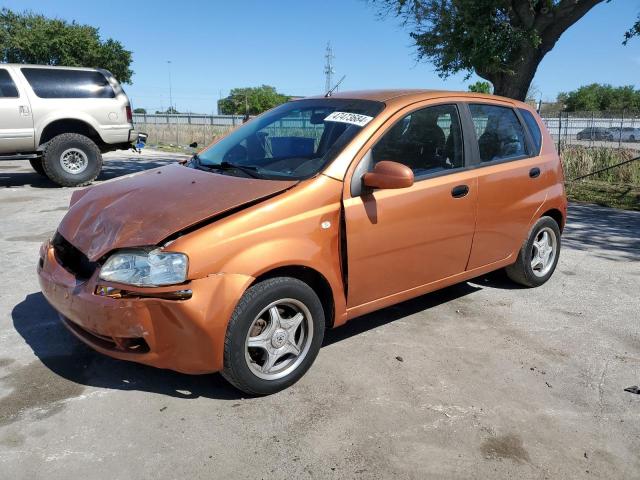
<point>459,191</point>
<point>534,172</point>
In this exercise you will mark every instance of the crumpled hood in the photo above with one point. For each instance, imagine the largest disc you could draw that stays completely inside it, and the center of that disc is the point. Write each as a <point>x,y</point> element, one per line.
<point>146,208</point>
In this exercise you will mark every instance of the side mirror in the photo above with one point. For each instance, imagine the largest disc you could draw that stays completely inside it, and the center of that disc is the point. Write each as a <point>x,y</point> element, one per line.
<point>387,174</point>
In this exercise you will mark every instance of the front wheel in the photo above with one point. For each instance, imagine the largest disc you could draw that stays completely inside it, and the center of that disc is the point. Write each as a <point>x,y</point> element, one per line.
<point>538,256</point>
<point>72,160</point>
<point>273,336</point>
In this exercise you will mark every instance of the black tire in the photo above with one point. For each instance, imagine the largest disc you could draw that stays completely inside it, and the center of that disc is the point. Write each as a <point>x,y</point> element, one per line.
<point>36,164</point>
<point>522,271</point>
<point>76,145</point>
<point>632,138</point>
<point>236,364</point>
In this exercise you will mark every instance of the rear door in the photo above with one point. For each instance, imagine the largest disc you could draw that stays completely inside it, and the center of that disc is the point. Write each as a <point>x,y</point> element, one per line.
<point>402,239</point>
<point>16,120</point>
<point>512,179</point>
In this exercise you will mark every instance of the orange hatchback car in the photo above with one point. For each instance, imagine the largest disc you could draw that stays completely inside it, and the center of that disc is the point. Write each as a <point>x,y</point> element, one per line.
<point>316,212</point>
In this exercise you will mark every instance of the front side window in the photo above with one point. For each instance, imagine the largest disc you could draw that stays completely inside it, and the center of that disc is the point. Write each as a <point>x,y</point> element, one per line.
<point>499,133</point>
<point>60,83</point>
<point>427,141</point>
<point>293,141</point>
<point>7,87</point>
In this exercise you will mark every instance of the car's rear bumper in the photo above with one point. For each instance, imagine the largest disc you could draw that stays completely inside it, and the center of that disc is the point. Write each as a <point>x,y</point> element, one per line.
<point>182,335</point>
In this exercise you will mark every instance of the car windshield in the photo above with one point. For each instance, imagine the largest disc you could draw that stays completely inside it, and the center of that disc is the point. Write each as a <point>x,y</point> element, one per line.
<point>293,141</point>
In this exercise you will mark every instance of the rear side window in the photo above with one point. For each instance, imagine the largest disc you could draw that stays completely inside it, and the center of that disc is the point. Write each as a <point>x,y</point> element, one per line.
<point>533,127</point>
<point>499,133</point>
<point>7,87</point>
<point>57,83</point>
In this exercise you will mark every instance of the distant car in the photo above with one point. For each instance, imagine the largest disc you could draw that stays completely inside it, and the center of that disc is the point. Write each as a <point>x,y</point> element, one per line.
<point>595,133</point>
<point>62,119</point>
<point>625,134</point>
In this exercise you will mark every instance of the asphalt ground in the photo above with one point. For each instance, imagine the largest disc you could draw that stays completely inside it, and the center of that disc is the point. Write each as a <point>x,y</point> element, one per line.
<point>479,380</point>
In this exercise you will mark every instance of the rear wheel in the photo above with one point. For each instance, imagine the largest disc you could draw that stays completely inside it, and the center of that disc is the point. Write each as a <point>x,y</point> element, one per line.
<point>273,336</point>
<point>36,164</point>
<point>72,160</point>
<point>538,256</point>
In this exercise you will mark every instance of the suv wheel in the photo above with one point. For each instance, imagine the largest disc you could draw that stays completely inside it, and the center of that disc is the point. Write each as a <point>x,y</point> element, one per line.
<point>72,160</point>
<point>273,336</point>
<point>538,256</point>
<point>36,164</point>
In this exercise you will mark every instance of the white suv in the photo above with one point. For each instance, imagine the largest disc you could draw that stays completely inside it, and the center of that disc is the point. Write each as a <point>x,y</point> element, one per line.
<point>62,119</point>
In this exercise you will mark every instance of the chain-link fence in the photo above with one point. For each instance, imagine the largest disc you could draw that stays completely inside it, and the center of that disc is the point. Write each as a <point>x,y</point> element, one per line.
<point>594,129</point>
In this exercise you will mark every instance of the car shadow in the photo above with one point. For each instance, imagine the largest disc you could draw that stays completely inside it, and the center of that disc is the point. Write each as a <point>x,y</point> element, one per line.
<point>37,322</point>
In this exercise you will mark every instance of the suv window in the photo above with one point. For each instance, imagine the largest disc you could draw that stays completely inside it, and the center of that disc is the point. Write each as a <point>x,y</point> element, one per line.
<point>500,135</point>
<point>58,83</point>
<point>533,127</point>
<point>7,87</point>
<point>427,141</point>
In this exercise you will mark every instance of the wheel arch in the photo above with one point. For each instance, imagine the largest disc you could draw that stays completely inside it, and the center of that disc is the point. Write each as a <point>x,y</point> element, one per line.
<point>69,125</point>
<point>557,216</point>
<point>316,280</point>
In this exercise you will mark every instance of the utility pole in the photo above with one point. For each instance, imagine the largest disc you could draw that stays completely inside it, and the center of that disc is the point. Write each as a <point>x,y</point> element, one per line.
<point>170,95</point>
<point>328,67</point>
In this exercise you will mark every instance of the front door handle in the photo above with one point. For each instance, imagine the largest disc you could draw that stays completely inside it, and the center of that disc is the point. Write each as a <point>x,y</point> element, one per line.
<point>534,172</point>
<point>459,191</point>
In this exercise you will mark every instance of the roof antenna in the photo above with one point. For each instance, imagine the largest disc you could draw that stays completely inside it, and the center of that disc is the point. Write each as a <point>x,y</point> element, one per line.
<point>335,87</point>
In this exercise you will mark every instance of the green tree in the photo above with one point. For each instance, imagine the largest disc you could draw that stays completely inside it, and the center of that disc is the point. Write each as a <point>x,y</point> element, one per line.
<point>601,97</point>
<point>139,110</point>
<point>632,32</point>
<point>170,111</point>
<point>481,87</point>
<point>251,100</point>
<point>503,41</point>
<point>31,38</point>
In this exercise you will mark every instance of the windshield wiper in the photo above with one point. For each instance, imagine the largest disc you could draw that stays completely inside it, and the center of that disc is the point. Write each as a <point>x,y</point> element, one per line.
<point>196,162</point>
<point>251,171</point>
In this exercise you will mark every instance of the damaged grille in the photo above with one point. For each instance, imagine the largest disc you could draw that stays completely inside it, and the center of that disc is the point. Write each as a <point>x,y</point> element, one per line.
<point>72,259</point>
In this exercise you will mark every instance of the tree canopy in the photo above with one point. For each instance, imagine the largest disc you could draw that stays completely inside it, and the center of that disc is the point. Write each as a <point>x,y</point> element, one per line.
<point>481,87</point>
<point>32,38</point>
<point>601,97</point>
<point>251,100</point>
<point>503,41</point>
<point>634,31</point>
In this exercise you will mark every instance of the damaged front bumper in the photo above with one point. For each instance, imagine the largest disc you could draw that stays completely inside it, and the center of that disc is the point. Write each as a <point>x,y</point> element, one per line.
<point>180,328</point>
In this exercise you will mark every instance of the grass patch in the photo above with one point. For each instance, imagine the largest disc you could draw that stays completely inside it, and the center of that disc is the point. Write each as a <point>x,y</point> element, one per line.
<point>578,161</point>
<point>616,195</point>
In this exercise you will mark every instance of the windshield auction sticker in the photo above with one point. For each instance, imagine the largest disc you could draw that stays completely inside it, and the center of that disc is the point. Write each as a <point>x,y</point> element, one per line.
<point>352,118</point>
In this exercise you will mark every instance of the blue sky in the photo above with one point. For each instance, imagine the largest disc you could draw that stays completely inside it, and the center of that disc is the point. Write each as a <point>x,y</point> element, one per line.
<point>217,45</point>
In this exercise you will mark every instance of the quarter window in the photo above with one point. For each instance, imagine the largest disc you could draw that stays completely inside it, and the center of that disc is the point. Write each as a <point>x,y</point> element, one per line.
<point>533,127</point>
<point>7,87</point>
<point>500,135</point>
<point>60,83</point>
<point>427,141</point>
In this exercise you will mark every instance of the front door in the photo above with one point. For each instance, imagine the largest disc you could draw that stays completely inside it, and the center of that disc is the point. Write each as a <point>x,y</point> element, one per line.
<point>16,121</point>
<point>401,239</point>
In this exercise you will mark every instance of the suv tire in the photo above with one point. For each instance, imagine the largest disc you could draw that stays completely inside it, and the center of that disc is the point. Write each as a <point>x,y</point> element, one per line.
<point>72,160</point>
<point>267,313</point>
<point>36,164</point>
<point>543,243</point>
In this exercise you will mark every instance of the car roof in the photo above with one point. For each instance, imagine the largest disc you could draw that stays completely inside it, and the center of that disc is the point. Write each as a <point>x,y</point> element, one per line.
<point>415,95</point>
<point>61,67</point>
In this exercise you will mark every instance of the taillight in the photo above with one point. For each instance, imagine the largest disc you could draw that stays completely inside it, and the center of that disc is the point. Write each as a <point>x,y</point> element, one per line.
<point>129,114</point>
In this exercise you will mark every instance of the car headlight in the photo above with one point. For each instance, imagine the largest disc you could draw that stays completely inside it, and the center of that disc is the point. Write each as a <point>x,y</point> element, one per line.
<point>145,268</point>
